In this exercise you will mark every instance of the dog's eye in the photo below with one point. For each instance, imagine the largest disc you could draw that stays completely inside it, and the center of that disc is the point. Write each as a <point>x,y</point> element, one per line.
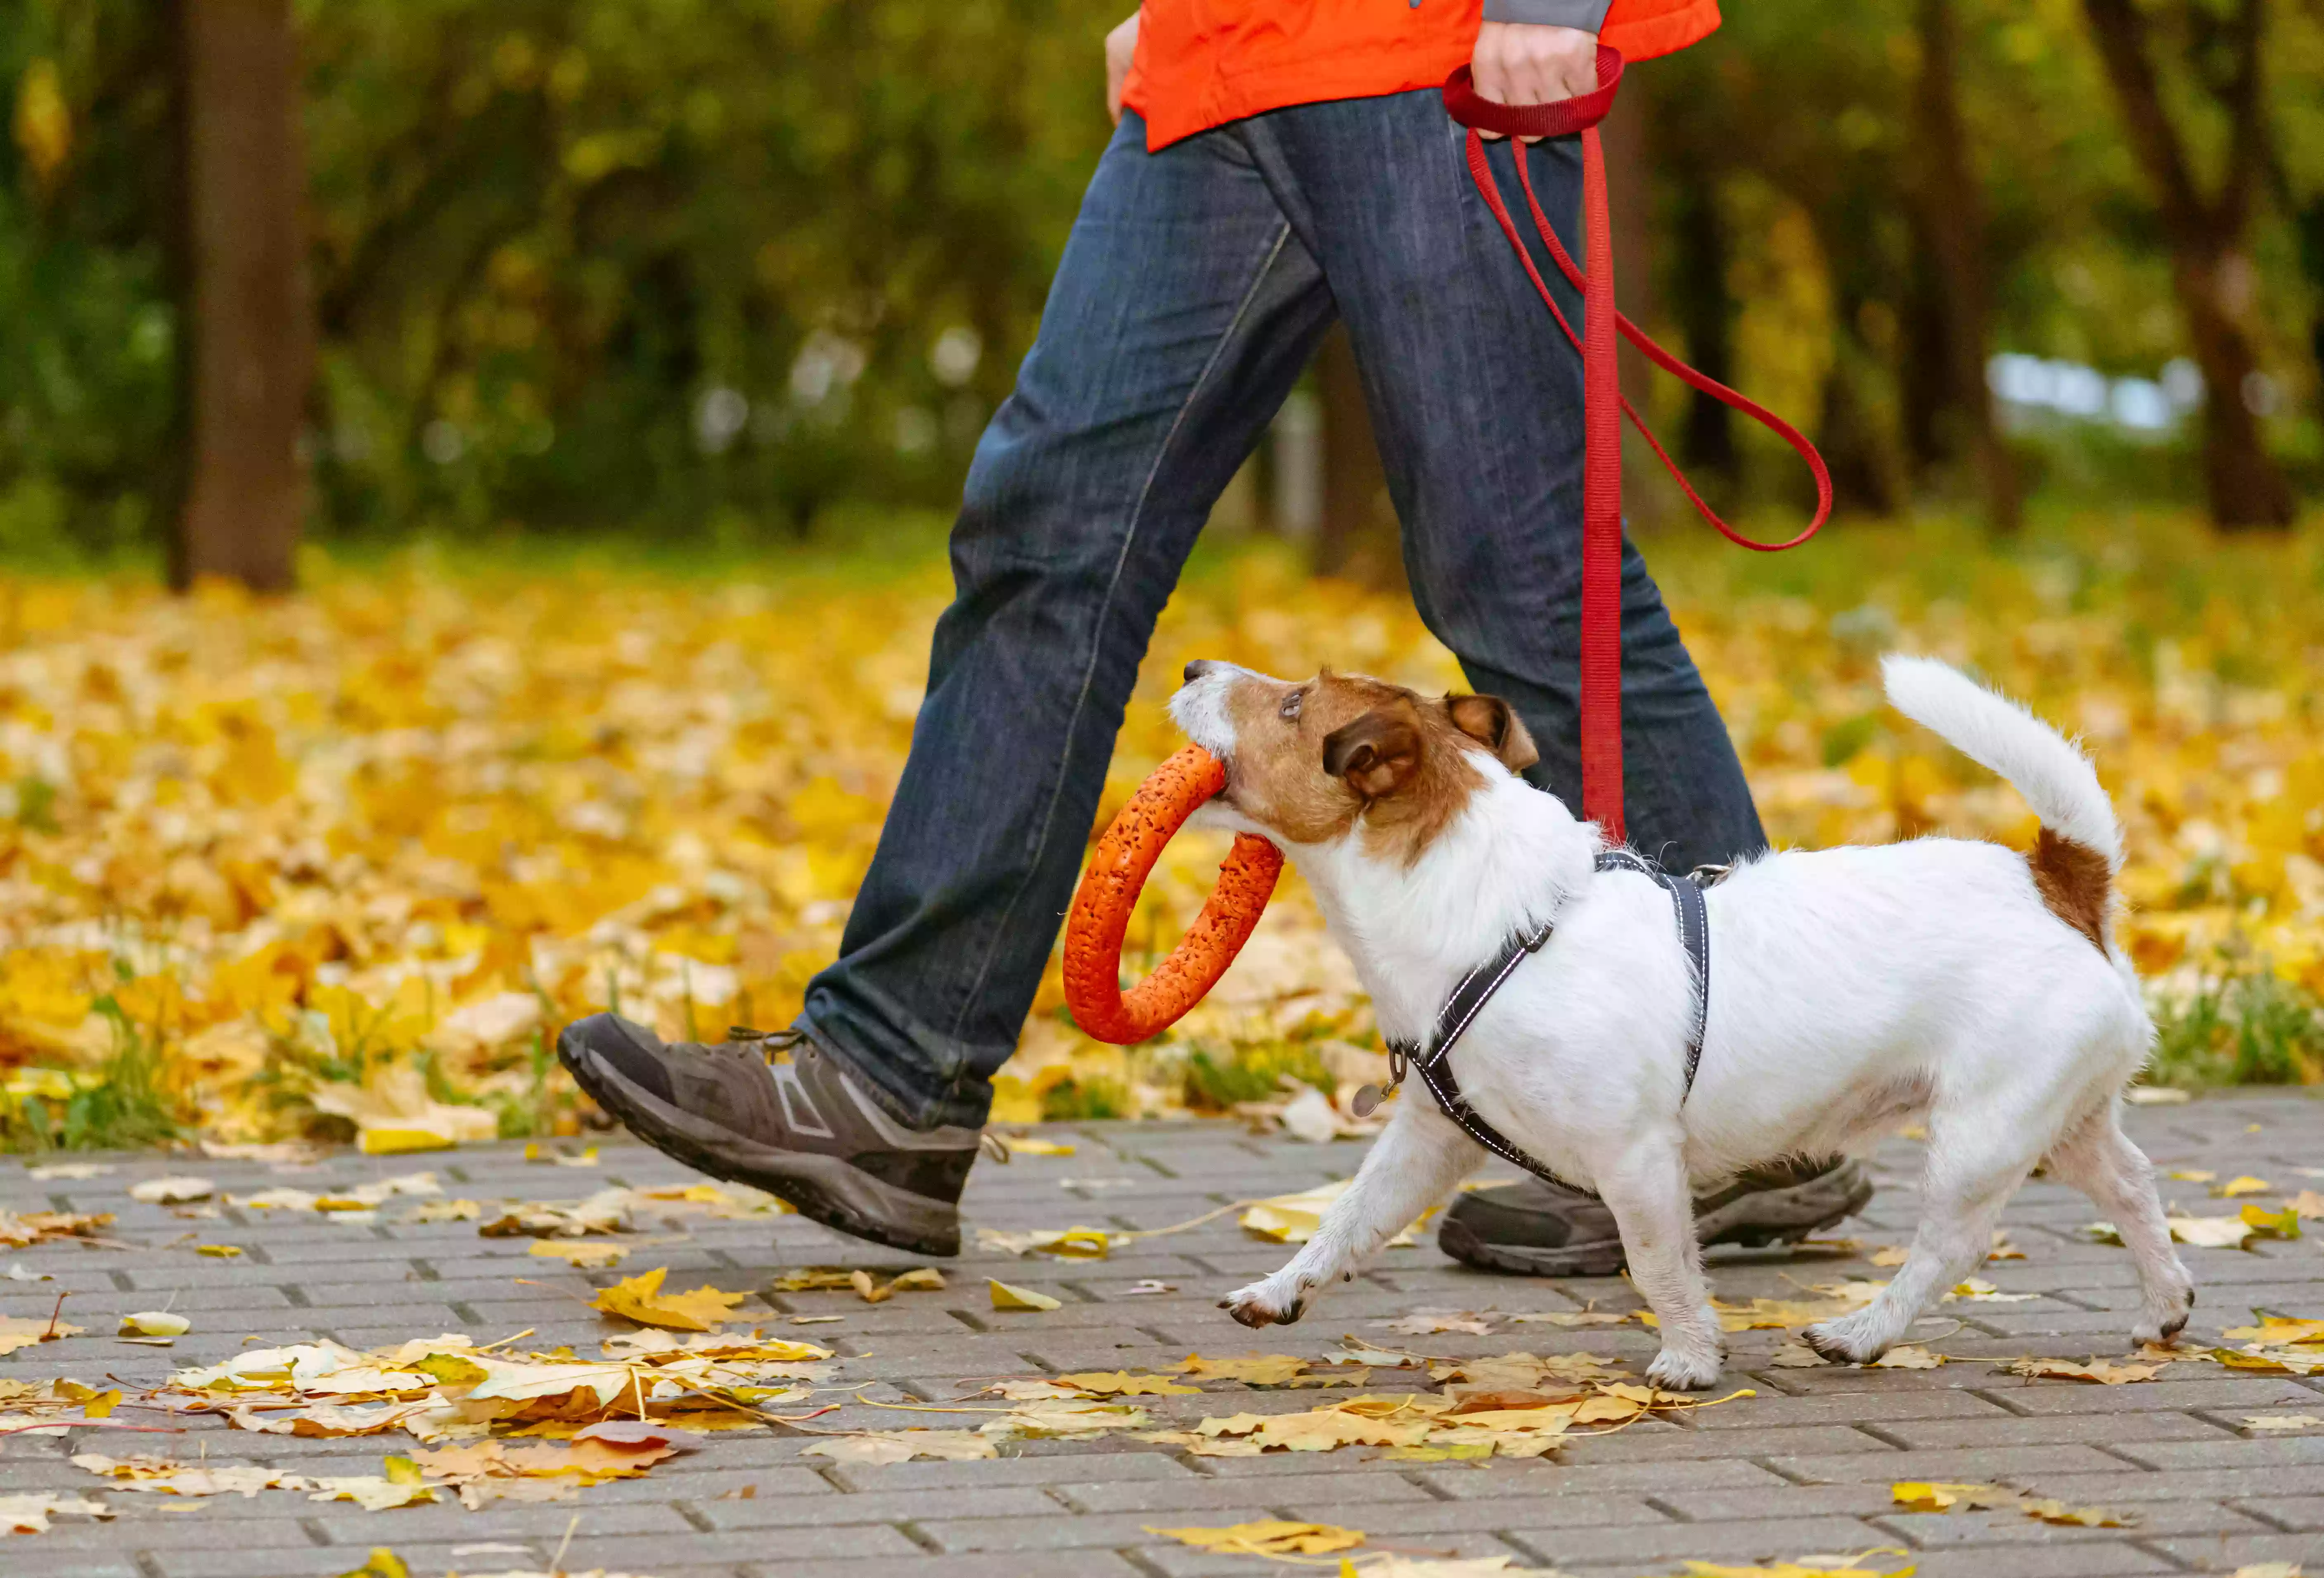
<point>1290,707</point>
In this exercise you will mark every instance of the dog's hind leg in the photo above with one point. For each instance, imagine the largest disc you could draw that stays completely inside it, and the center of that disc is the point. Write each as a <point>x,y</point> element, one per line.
<point>1975,1163</point>
<point>1413,1164</point>
<point>1646,1190</point>
<point>2096,1156</point>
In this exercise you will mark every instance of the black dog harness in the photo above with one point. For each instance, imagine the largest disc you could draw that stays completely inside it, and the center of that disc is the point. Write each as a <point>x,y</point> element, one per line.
<point>1476,990</point>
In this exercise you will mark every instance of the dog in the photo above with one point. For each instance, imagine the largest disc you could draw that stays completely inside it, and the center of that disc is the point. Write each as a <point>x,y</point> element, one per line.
<point>1949,982</point>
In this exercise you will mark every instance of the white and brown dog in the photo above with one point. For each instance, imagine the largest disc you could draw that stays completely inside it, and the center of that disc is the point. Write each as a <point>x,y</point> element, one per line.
<point>1955,983</point>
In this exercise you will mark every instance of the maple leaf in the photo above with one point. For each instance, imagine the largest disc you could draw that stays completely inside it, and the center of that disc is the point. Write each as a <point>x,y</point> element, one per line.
<point>1109,1383</point>
<point>1086,1243</point>
<point>1293,1219</point>
<point>1427,1323</point>
<point>2266,1224</point>
<point>41,1227</point>
<point>1042,1419</point>
<point>639,1298</point>
<point>372,1492</point>
<point>2105,1372</point>
<point>1251,1369</point>
<point>29,1514</point>
<point>17,1332</point>
<point>164,1476</point>
<point>814,1279</point>
<point>886,1446</point>
<point>1266,1537</point>
<point>2280,1329</point>
<point>1561,1317</point>
<point>2209,1232</point>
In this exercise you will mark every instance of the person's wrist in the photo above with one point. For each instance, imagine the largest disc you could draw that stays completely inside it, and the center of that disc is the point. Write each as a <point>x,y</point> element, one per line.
<point>1582,15</point>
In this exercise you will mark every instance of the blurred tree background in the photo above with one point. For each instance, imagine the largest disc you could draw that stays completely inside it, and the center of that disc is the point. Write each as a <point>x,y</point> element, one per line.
<point>716,272</point>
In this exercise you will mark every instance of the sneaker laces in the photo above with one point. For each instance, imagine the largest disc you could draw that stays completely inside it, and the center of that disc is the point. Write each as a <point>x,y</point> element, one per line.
<point>742,1039</point>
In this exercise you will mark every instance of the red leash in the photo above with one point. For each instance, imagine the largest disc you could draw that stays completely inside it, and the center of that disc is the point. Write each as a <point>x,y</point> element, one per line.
<point>1604,405</point>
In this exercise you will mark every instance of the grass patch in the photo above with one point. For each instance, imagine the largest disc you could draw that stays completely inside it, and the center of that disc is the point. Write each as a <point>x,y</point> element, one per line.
<point>1086,1100</point>
<point>122,1104</point>
<point>2254,1029</point>
<point>1216,1081</point>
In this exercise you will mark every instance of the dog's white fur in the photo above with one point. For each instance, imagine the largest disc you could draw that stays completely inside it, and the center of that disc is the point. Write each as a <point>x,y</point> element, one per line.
<point>1853,990</point>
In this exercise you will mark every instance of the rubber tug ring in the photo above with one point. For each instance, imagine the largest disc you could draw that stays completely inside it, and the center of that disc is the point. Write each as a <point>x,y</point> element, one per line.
<point>1100,917</point>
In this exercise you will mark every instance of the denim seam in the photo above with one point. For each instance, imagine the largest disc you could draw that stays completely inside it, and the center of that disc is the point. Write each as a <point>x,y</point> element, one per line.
<point>1097,631</point>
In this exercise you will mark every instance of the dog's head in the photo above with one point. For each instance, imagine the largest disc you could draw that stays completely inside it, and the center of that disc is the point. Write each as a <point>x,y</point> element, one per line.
<point>1309,762</point>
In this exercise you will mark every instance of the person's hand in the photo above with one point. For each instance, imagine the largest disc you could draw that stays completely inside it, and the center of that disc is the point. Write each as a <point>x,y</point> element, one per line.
<point>1525,62</point>
<point>1120,44</point>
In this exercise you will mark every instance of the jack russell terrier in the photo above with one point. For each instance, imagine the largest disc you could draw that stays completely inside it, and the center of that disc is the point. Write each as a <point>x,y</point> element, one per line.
<point>1949,982</point>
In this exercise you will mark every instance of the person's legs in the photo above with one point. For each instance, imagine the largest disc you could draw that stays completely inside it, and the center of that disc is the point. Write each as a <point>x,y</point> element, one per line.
<point>1476,397</point>
<point>1183,311</point>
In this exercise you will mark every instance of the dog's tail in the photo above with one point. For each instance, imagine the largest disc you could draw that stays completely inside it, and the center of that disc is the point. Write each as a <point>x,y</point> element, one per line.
<point>2079,851</point>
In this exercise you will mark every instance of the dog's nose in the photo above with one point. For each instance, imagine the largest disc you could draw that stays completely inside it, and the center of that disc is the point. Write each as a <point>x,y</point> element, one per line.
<point>1200,667</point>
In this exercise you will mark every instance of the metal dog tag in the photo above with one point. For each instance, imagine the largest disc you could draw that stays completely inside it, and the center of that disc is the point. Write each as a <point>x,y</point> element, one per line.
<point>1366,1101</point>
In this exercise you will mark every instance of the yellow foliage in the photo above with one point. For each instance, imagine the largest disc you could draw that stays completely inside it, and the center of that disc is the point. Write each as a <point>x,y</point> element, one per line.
<point>412,817</point>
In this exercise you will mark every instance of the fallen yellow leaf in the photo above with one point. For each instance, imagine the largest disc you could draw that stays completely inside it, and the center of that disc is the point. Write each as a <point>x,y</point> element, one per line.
<point>1005,1296</point>
<point>1266,1537</point>
<point>886,1446</point>
<point>16,1331</point>
<point>2104,1371</point>
<point>581,1252</point>
<point>639,1298</point>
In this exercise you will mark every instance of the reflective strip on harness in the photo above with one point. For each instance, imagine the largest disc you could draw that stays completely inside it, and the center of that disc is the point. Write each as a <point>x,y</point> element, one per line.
<point>1475,989</point>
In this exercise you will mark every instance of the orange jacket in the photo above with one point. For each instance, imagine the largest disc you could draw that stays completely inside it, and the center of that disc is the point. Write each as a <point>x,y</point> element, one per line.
<point>1204,62</point>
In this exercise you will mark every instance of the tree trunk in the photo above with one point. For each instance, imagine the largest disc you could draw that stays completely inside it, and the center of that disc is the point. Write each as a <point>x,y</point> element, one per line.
<point>1706,318</point>
<point>1954,220</point>
<point>2215,281</point>
<point>1358,539</point>
<point>248,337</point>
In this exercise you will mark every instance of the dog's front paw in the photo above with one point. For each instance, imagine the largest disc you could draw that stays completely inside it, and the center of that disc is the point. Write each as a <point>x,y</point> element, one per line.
<point>1845,1340</point>
<point>2163,1312</point>
<point>1263,1304</point>
<point>1678,1370</point>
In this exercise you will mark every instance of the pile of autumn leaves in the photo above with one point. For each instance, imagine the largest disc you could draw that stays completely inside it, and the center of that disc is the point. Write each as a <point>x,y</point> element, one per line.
<point>345,859</point>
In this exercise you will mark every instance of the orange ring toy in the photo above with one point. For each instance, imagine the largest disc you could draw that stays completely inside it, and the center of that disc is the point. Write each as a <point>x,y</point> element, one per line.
<point>1100,917</point>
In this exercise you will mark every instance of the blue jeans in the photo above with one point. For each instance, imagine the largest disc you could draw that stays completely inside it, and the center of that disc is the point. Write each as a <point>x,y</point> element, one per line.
<point>1195,285</point>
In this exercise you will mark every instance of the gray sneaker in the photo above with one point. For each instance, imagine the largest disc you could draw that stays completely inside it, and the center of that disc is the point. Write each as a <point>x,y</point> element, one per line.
<point>777,1112</point>
<point>1540,1229</point>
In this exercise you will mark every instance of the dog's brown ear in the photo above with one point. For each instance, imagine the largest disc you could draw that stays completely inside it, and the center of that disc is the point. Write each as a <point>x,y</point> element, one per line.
<point>1488,720</point>
<point>1377,754</point>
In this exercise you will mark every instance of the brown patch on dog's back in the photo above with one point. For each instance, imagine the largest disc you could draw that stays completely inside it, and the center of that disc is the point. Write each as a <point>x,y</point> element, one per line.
<point>2074,883</point>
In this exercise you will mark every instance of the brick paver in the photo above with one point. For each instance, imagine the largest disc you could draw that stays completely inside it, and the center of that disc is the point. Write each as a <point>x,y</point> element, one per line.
<point>1801,1469</point>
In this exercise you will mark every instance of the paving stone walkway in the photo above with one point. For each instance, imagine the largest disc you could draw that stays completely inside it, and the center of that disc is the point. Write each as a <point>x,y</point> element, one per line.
<point>1803,1468</point>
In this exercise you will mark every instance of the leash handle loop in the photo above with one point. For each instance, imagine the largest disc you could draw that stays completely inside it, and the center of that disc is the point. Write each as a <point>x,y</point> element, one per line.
<point>1567,117</point>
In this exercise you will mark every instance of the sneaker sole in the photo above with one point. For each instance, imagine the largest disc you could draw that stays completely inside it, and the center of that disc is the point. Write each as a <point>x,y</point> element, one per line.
<point>1760,1220</point>
<point>827,1189</point>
